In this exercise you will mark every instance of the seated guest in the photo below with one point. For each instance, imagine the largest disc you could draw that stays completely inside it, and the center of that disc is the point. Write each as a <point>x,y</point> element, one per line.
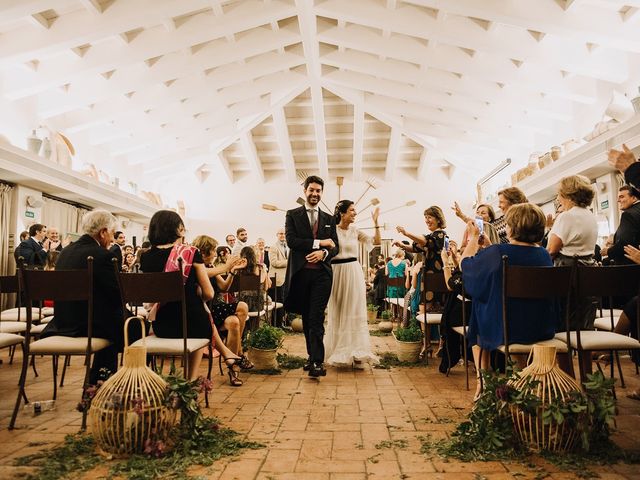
<point>32,249</point>
<point>628,232</point>
<point>380,287</point>
<point>166,234</point>
<point>506,199</point>
<point>262,253</point>
<point>396,268</point>
<point>222,253</point>
<point>530,320</point>
<point>53,240</point>
<point>573,237</point>
<point>488,216</point>
<point>52,259</point>
<point>70,317</point>
<point>254,299</point>
<point>278,258</point>
<point>452,312</point>
<point>230,317</point>
<point>128,265</point>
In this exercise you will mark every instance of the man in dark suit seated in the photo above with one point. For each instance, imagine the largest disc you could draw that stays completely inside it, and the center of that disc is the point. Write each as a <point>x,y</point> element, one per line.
<point>628,232</point>
<point>70,317</point>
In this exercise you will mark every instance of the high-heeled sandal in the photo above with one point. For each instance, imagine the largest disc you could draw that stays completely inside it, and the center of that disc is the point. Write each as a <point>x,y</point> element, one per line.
<point>245,363</point>
<point>234,379</point>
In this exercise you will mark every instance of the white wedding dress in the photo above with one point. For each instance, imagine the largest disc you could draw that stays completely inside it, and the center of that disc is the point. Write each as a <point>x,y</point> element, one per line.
<point>347,340</point>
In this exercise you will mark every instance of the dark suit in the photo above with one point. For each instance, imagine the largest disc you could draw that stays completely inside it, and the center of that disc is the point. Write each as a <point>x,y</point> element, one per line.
<point>117,252</point>
<point>628,233</point>
<point>70,317</point>
<point>32,252</point>
<point>307,290</point>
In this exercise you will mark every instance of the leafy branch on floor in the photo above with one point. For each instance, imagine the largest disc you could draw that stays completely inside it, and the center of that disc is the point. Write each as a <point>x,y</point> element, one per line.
<point>197,440</point>
<point>390,359</point>
<point>290,362</point>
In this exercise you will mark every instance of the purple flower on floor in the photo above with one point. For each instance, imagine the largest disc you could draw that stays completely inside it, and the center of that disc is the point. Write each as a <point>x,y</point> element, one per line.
<point>502,392</point>
<point>205,385</point>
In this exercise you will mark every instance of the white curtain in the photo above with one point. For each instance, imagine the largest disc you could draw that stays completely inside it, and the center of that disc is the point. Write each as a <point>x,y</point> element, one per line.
<point>7,236</point>
<point>62,215</point>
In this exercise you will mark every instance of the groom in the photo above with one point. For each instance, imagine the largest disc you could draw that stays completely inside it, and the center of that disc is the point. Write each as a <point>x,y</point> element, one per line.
<point>311,236</point>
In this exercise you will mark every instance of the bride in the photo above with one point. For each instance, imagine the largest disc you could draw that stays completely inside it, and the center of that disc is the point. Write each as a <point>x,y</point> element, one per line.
<point>347,340</point>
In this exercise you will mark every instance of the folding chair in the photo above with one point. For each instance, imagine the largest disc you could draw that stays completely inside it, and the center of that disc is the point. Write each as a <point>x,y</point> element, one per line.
<point>533,283</point>
<point>431,282</point>
<point>60,286</point>
<point>163,287</point>
<point>623,280</point>
<point>274,305</point>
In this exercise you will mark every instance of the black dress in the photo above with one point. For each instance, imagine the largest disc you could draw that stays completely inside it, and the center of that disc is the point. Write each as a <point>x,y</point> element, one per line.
<point>168,323</point>
<point>220,309</point>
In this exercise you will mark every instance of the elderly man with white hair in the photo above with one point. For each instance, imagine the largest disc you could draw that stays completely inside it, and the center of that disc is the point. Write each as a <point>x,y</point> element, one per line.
<point>69,320</point>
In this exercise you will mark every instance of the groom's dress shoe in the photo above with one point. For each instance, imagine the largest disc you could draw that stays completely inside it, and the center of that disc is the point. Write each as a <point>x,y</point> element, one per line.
<point>317,370</point>
<point>307,365</point>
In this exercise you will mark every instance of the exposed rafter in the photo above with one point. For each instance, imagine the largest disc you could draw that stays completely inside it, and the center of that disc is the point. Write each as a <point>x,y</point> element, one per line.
<point>282,133</point>
<point>251,154</point>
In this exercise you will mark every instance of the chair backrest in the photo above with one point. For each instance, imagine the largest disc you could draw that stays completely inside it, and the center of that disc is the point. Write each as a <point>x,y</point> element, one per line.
<point>395,282</point>
<point>533,283</point>
<point>434,282</point>
<point>9,284</point>
<point>614,281</point>
<point>59,286</point>
<point>245,282</point>
<point>160,287</point>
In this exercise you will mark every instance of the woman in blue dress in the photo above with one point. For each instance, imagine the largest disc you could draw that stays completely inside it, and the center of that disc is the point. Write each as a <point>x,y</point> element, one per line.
<point>529,320</point>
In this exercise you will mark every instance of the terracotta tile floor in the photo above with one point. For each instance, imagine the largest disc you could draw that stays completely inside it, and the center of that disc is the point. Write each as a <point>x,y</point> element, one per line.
<point>330,429</point>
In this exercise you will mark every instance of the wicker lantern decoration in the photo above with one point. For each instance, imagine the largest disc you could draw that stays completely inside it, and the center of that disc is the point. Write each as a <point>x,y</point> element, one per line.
<point>552,383</point>
<point>129,409</point>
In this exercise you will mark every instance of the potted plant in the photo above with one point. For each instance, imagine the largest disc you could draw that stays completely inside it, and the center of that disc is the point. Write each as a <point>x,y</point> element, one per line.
<point>408,342</point>
<point>372,310</point>
<point>263,346</point>
<point>385,325</point>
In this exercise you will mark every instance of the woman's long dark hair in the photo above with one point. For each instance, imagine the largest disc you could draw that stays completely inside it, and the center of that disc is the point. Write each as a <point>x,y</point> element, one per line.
<point>250,255</point>
<point>341,208</point>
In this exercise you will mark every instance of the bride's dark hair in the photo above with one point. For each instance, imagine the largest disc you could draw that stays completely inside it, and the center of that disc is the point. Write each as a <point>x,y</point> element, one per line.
<point>341,208</point>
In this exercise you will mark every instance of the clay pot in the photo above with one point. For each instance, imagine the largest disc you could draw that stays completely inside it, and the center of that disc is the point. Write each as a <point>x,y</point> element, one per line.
<point>263,359</point>
<point>385,326</point>
<point>296,325</point>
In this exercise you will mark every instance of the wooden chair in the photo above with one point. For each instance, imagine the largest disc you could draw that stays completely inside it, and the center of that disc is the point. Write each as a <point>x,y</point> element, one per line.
<point>276,303</point>
<point>163,287</point>
<point>623,280</point>
<point>462,331</point>
<point>63,286</point>
<point>248,282</point>
<point>397,302</point>
<point>431,282</point>
<point>533,283</point>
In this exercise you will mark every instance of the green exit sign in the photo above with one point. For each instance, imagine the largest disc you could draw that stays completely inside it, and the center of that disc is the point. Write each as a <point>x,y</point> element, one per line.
<point>604,204</point>
<point>29,214</point>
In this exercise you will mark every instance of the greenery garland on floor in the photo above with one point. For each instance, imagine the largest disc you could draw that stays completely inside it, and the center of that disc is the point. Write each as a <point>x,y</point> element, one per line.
<point>197,440</point>
<point>488,433</point>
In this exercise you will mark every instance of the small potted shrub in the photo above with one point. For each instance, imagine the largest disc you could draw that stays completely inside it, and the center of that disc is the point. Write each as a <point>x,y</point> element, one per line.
<point>385,325</point>
<point>372,310</point>
<point>263,346</point>
<point>408,342</point>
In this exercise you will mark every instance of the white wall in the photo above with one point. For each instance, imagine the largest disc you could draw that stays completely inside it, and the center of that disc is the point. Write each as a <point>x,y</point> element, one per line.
<point>218,207</point>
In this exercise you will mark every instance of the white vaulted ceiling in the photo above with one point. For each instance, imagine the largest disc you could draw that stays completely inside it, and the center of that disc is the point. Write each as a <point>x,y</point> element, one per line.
<point>352,88</point>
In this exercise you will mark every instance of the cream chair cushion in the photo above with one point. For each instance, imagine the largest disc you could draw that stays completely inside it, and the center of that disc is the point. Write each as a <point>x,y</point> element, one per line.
<point>12,314</point>
<point>170,346</point>
<point>37,329</point>
<point>47,311</point>
<point>9,339</point>
<point>460,330</point>
<point>432,318</point>
<point>605,323</point>
<point>591,340</point>
<point>13,327</point>
<point>561,347</point>
<point>66,345</point>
